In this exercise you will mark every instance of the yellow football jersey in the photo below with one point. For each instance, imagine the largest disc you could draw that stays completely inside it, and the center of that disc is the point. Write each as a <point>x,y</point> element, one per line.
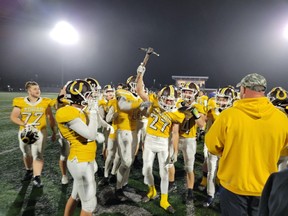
<point>80,148</point>
<point>127,119</point>
<point>159,121</point>
<point>188,128</point>
<point>33,113</point>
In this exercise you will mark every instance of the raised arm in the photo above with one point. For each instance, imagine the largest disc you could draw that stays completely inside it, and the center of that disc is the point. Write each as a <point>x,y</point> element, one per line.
<point>140,84</point>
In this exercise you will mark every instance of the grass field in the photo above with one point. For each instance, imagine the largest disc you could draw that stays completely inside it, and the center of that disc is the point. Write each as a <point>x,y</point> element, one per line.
<point>22,199</point>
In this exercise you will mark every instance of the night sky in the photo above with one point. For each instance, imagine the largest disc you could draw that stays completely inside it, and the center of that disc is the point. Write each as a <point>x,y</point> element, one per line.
<point>224,40</point>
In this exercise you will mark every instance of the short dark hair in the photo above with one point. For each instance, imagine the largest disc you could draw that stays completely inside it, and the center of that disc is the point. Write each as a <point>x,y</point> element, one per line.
<point>29,84</point>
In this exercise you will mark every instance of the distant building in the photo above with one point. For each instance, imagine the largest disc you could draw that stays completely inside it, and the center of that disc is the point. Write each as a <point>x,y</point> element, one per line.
<point>199,80</point>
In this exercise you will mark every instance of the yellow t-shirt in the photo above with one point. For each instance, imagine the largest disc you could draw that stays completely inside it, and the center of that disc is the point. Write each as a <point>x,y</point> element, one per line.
<point>33,113</point>
<point>80,148</point>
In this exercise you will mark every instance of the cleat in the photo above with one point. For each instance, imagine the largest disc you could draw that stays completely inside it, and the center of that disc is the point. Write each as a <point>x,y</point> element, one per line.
<point>172,187</point>
<point>146,199</point>
<point>104,182</point>
<point>208,202</point>
<point>170,210</point>
<point>28,176</point>
<point>113,179</point>
<point>120,195</point>
<point>201,187</point>
<point>37,182</point>
<point>64,180</point>
<point>190,197</point>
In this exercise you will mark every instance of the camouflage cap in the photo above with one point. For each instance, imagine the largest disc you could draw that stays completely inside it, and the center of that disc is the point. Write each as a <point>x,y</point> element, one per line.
<point>253,81</point>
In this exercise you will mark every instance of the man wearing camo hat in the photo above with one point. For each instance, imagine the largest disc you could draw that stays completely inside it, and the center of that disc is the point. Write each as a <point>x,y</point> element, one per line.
<point>248,147</point>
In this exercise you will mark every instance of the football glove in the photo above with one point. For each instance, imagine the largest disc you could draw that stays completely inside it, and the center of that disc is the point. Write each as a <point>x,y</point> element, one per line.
<point>141,69</point>
<point>29,135</point>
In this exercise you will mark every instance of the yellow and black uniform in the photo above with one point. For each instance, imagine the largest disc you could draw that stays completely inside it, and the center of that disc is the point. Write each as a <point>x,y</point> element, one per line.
<point>33,113</point>
<point>248,147</point>
<point>80,148</point>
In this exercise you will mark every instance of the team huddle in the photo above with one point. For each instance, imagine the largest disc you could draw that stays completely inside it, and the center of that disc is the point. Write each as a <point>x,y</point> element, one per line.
<point>131,117</point>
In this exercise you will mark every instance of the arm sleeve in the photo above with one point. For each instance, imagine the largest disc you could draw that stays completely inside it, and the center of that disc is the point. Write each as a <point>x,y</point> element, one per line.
<point>86,131</point>
<point>110,114</point>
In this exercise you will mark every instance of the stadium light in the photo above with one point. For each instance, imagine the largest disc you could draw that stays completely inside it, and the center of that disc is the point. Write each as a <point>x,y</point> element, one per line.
<point>66,35</point>
<point>285,32</point>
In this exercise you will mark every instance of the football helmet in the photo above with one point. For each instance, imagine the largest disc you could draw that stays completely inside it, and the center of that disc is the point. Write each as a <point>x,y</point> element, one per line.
<point>279,98</point>
<point>29,135</point>
<point>107,89</point>
<point>225,97</point>
<point>190,92</point>
<point>96,88</point>
<point>131,84</point>
<point>167,98</point>
<point>78,92</point>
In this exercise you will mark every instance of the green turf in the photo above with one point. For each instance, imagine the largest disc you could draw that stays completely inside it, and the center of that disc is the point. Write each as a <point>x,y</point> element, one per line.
<point>22,199</point>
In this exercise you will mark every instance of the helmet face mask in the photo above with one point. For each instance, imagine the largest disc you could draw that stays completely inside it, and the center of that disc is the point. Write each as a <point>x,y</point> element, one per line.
<point>131,83</point>
<point>78,92</point>
<point>109,92</point>
<point>167,98</point>
<point>190,92</point>
<point>225,97</point>
<point>95,86</point>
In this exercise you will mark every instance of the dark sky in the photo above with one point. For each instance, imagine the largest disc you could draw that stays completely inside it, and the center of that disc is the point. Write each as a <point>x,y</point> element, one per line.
<point>224,40</point>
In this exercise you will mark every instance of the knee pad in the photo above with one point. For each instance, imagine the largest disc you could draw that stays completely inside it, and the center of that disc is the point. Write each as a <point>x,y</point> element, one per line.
<point>89,205</point>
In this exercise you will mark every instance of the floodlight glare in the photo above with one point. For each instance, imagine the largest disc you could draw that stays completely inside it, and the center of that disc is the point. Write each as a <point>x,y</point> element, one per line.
<point>64,33</point>
<point>285,32</point>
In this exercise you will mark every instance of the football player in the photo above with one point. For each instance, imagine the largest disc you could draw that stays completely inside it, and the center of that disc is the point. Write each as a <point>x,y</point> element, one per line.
<point>28,111</point>
<point>164,117</point>
<point>64,145</point>
<point>224,99</point>
<point>128,103</point>
<point>279,98</point>
<point>78,123</point>
<point>108,94</point>
<point>112,146</point>
<point>187,134</point>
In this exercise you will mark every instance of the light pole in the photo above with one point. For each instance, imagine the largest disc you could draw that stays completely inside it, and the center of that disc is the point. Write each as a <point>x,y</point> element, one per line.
<point>66,35</point>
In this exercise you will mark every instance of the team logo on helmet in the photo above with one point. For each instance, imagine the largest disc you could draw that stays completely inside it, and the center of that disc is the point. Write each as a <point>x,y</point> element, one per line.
<point>279,98</point>
<point>29,135</point>
<point>78,91</point>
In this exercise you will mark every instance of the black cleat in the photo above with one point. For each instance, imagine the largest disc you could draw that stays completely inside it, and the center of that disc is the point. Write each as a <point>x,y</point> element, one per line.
<point>172,187</point>
<point>37,182</point>
<point>104,182</point>
<point>113,179</point>
<point>28,176</point>
<point>120,195</point>
<point>170,210</point>
<point>208,202</point>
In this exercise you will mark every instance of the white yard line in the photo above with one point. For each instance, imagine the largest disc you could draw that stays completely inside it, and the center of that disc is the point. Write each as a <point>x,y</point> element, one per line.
<point>10,150</point>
